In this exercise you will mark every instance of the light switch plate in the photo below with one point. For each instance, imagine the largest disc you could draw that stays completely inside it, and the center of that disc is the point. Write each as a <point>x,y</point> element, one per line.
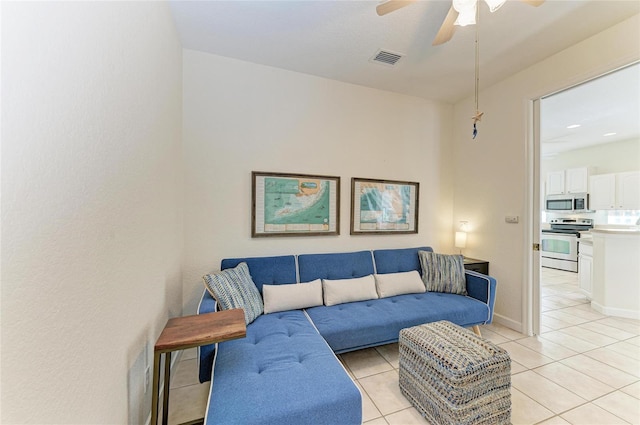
<point>512,219</point>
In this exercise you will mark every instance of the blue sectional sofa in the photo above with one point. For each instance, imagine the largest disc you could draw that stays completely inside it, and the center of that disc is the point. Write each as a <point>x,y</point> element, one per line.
<point>286,371</point>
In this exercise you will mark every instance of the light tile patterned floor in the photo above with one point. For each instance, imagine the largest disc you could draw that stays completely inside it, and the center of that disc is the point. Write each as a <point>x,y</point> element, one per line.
<point>584,368</point>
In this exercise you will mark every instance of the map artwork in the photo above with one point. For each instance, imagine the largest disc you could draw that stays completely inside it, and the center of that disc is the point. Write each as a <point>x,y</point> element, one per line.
<point>296,204</point>
<point>385,206</point>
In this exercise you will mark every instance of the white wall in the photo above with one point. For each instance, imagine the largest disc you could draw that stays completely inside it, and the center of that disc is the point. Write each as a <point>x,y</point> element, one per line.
<point>91,206</point>
<point>491,172</point>
<point>241,117</point>
<point>616,157</point>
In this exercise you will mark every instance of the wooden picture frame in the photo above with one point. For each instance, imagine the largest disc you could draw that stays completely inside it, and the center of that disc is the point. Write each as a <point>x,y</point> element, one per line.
<point>294,205</point>
<point>384,206</point>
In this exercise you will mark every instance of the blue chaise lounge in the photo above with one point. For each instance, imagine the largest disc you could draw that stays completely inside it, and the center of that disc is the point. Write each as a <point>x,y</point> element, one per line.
<point>286,371</point>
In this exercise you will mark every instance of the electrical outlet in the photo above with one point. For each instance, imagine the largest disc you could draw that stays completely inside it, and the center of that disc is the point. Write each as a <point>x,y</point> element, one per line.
<point>147,373</point>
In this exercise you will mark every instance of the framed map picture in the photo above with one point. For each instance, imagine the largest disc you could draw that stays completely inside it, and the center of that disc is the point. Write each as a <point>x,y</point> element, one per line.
<point>294,205</point>
<point>383,206</point>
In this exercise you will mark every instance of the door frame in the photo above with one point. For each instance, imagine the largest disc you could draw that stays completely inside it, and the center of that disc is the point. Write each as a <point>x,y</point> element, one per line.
<point>531,299</point>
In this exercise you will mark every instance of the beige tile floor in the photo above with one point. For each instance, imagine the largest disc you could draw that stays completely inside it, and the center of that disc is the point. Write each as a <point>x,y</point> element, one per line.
<point>584,368</point>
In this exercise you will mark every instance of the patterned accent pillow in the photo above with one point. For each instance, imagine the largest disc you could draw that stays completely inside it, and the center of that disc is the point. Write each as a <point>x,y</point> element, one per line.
<point>443,273</point>
<point>234,288</point>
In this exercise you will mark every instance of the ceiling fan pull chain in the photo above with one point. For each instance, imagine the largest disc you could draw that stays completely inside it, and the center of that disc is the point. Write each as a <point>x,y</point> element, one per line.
<point>478,115</point>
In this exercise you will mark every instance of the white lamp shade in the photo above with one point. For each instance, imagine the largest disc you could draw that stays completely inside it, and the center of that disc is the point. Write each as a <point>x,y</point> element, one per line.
<point>461,240</point>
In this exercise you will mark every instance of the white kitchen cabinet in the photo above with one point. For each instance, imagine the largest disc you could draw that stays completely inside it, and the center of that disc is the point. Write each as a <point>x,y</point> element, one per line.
<point>620,191</point>
<point>572,180</point>
<point>585,268</point>
<point>603,192</point>
<point>555,182</point>
<point>576,180</point>
<point>616,272</point>
<point>628,191</point>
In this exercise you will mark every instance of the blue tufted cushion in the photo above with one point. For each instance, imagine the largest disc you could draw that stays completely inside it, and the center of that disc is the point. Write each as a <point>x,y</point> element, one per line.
<point>234,288</point>
<point>443,273</point>
<point>398,259</point>
<point>266,270</point>
<point>362,324</point>
<point>347,265</point>
<point>282,373</point>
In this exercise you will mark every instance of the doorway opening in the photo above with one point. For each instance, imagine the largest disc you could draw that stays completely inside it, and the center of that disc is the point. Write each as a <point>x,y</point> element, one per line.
<point>580,130</point>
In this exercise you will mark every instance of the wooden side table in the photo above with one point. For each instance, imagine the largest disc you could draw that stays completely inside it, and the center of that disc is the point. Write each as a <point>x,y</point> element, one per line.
<point>185,332</point>
<point>480,266</point>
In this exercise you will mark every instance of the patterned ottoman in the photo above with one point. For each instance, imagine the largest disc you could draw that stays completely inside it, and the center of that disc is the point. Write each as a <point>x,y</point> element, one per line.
<point>452,376</point>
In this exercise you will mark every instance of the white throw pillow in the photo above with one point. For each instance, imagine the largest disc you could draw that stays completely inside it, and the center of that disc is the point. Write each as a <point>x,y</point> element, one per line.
<point>391,284</point>
<point>292,296</point>
<point>349,290</point>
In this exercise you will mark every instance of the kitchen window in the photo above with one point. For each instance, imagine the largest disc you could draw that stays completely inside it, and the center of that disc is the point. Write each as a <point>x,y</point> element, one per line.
<point>625,217</point>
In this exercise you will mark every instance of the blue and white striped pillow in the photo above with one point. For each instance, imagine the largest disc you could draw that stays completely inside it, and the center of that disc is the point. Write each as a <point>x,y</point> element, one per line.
<point>443,273</point>
<point>234,288</point>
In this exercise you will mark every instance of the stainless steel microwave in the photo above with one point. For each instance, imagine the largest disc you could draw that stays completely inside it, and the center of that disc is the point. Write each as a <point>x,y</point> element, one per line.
<point>571,203</point>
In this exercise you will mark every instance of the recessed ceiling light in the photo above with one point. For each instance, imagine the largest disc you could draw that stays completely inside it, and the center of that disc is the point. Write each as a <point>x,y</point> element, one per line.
<point>573,126</point>
<point>609,134</point>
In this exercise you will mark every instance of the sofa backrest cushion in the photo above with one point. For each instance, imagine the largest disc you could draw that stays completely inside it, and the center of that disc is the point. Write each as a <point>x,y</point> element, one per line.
<point>294,296</point>
<point>267,270</point>
<point>341,291</point>
<point>347,265</point>
<point>398,260</point>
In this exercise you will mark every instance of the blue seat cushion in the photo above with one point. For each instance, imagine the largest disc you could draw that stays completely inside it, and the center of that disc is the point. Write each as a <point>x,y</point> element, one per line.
<point>357,325</point>
<point>283,372</point>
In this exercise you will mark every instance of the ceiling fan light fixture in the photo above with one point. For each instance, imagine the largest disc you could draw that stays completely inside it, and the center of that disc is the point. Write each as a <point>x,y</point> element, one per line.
<point>466,12</point>
<point>495,4</point>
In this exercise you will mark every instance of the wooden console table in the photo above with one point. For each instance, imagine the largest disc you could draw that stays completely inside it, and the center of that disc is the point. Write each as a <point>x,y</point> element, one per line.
<point>185,332</point>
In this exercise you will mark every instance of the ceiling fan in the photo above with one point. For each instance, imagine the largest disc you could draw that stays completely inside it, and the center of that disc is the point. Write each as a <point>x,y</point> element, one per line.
<point>461,13</point>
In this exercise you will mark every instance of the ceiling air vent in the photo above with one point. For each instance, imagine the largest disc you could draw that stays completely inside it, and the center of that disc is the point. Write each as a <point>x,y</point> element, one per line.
<point>386,57</point>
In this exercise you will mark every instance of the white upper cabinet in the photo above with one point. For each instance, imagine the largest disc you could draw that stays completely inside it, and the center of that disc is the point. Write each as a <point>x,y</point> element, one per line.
<point>603,192</point>
<point>555,182</point>
<point>620,191</point>
<point>577,180</point>
<point>628,190</point>
<point>573,180</point>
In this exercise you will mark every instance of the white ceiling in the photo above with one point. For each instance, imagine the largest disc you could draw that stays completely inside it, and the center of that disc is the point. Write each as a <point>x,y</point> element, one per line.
<point>337,38</point>
<point>606,105</point>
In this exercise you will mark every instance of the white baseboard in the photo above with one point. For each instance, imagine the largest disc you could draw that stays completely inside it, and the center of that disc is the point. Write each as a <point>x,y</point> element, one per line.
<point>616,312</point>
<point>509,323</point>
<point>175,359</point>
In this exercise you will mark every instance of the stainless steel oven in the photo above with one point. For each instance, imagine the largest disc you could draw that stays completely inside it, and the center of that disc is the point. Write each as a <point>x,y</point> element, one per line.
<point>559,251</point>
<point>559,244</point>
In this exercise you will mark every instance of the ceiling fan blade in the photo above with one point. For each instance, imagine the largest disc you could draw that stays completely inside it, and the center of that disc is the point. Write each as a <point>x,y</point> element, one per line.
<point>535,3</point>
<point>447,29</point>
<point>392,5</point>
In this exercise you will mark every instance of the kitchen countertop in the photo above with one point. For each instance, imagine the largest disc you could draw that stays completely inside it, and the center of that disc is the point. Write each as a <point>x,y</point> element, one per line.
<point>618,231</point>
